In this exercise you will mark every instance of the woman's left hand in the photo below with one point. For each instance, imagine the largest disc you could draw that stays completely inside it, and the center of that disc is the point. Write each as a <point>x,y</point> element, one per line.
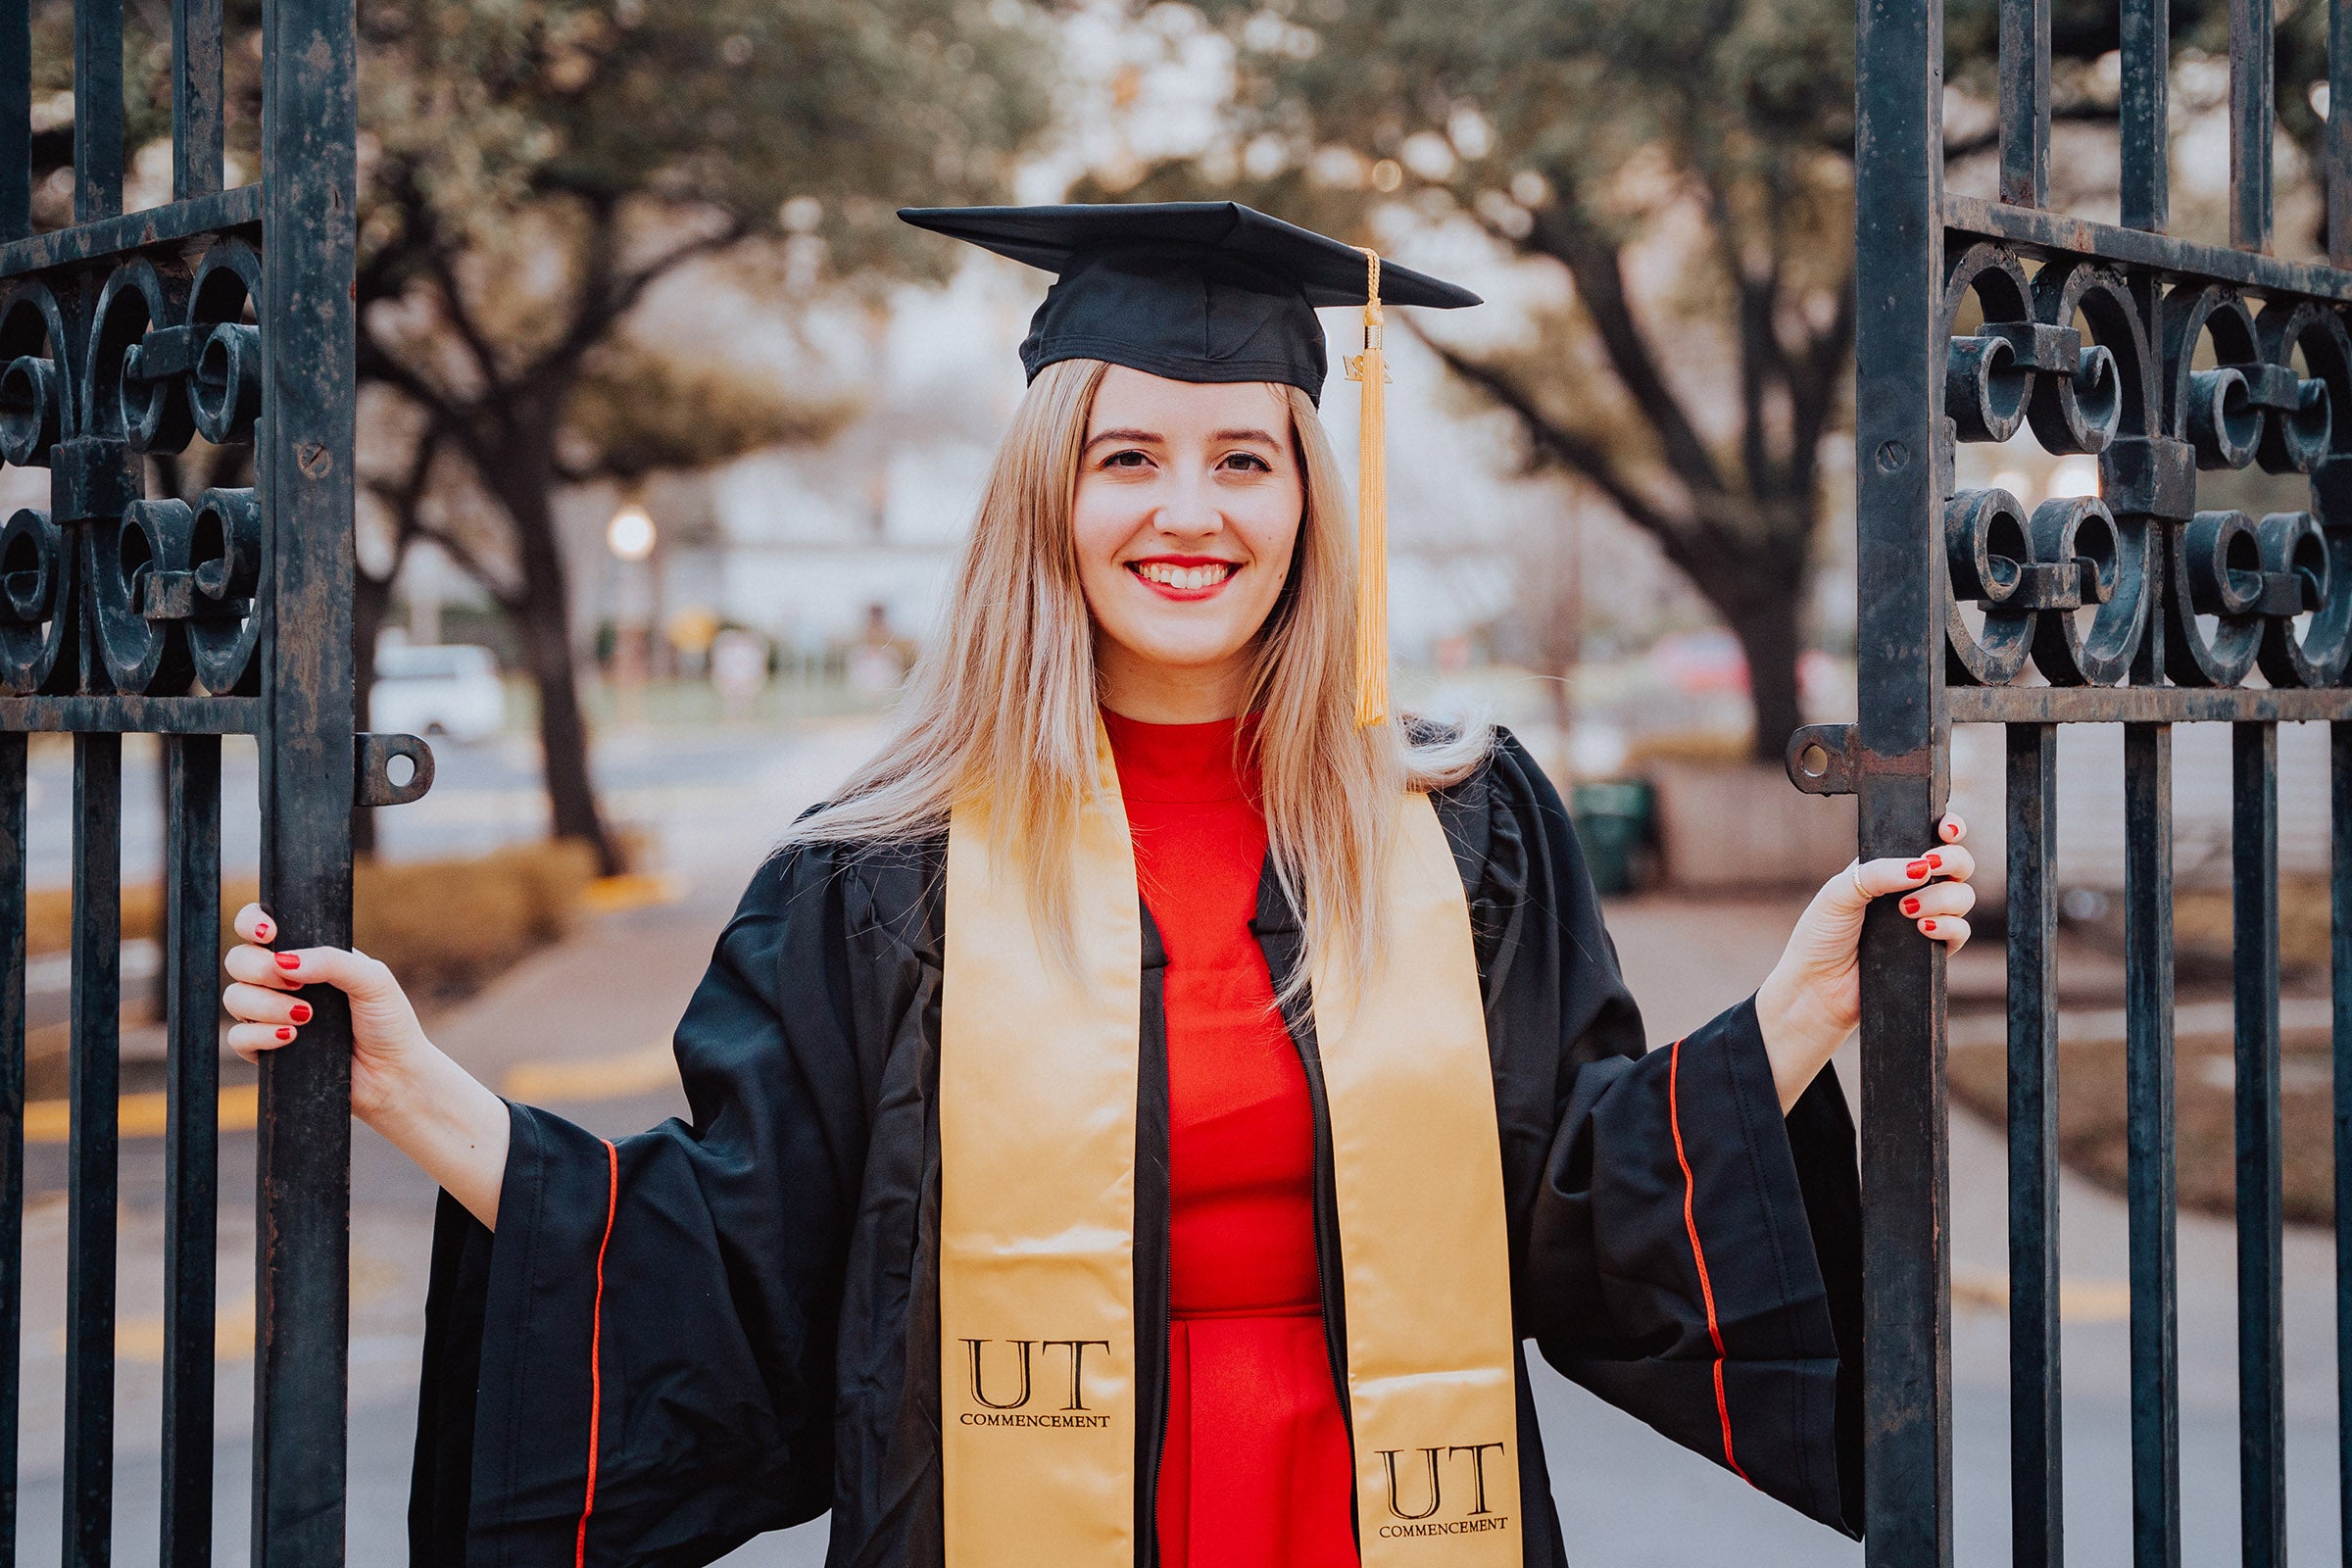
<point>1813,998</point>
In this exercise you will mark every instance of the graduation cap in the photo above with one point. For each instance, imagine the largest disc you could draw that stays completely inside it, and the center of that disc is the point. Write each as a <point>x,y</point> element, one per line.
<point>1215,291</point>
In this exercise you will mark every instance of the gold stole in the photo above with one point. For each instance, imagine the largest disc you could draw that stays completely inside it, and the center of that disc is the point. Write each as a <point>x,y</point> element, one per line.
<point>1037,1116</point>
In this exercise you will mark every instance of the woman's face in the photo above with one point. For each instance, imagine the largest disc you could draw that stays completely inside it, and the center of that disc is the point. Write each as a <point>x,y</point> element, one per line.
<point>1188,509</point>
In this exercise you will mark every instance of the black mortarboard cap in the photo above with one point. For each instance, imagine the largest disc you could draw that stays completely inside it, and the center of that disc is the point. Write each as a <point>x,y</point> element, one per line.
<point>1194,291</point>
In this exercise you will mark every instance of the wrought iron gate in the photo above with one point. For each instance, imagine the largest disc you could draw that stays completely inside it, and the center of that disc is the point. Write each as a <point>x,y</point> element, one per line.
<point>2164,357</point>
<point>225,313</point>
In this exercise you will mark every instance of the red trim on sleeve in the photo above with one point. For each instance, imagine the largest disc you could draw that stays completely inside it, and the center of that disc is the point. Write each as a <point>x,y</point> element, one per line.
<point>596,1343</point>
<point>1706,1287</point>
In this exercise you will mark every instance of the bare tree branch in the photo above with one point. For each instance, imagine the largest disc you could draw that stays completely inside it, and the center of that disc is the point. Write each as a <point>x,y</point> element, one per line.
<point>1562,232</point>
<point>1554,443</point>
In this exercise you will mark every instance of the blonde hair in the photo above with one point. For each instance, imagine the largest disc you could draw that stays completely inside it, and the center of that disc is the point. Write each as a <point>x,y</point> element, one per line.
<point>1002,705</point>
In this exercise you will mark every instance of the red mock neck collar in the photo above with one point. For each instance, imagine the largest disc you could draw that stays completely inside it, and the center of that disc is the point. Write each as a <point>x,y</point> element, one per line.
<point>1185,764</point>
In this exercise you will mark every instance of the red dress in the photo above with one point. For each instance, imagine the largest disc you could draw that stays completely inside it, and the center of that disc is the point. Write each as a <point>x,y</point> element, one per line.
<point>1255,1468</point>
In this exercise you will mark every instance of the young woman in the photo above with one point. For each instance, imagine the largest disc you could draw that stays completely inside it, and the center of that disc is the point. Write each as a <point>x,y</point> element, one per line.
<point>1142,1118</point>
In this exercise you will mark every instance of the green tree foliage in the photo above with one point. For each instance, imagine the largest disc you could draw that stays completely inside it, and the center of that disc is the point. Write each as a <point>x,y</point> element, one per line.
<point>533,168</point>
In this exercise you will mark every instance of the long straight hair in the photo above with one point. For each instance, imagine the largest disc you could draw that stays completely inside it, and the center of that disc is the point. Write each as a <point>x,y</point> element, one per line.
<point>1001,707</point>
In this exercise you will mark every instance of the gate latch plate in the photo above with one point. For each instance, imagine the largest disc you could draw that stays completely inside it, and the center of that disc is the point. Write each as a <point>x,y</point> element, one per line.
<point>1820,759</point>
<point>373,757</point>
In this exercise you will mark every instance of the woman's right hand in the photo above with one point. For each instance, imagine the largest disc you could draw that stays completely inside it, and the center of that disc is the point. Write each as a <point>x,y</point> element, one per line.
<point>401,1085</point>
<point>387,1043</point>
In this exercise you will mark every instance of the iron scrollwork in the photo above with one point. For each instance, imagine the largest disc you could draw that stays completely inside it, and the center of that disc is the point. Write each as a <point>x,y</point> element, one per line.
<point>109,590</point>
<point>2159,385</point>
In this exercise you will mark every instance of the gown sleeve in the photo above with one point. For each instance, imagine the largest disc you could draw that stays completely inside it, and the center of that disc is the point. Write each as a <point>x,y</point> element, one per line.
<point>1685,1251</point>
<point>638,1365</point>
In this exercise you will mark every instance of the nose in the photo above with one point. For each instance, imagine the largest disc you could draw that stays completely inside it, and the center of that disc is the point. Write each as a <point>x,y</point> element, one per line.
<point>1191,510</point>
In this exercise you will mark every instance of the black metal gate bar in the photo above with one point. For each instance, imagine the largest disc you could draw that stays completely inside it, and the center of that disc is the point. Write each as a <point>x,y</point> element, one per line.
<point>2145,177</point>
<point>2254,922</point>
<point>15,109</point>
<point>304,467</point>
<point>2150,1195</point>
<point>2036,1519</point>
<point>2025,102</point>
<point>196,127</point>
<point>13,779</point>
<point>2340,970</point>
<point>1899,759</point>
<point>191,1137</point>
<point>94,1104</point>
<point>97,109</point>
<point>2252,42</point>
<point>192,922</point>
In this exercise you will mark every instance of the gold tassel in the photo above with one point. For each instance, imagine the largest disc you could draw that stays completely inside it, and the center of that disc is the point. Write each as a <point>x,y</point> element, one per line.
<point>1372,513</point>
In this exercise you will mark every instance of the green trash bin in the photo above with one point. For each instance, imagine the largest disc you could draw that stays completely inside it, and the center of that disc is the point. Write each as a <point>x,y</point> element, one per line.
<point>1614,822</point>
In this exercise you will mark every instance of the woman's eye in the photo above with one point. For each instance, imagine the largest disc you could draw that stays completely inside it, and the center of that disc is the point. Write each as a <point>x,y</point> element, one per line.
<point>1125,460</point>
<point>1248,462</point>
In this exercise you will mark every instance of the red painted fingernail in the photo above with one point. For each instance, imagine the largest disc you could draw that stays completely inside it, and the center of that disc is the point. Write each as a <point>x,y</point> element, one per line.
<point>1936,860</point>
<point>301,1012</point>
<point>1910,906</point>
<point>289,961</point>
<point>286,1033</point>
<point>1952,830</point>
<point>261,933</point>
<point>1915,870</point>
<point>1927,925</point>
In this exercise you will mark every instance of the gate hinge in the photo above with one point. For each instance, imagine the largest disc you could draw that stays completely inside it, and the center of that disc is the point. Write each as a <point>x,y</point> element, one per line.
<point>1820,759</point>
<point>373,759</point>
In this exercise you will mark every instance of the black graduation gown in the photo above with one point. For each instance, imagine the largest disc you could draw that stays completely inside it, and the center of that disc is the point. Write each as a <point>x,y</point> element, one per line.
<point>738,1314</point>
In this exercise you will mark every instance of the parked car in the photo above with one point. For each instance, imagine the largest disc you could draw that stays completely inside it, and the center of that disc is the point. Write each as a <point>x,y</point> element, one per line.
<point>448,689</point>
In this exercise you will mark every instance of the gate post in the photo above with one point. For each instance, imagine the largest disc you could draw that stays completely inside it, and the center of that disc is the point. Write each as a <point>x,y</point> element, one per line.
<point>1899,763</point>
<point>304,467</point>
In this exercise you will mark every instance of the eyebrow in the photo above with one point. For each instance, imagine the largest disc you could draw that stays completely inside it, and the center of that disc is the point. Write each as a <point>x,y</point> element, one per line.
<point>1154,436</point>
<point>1102,436</point>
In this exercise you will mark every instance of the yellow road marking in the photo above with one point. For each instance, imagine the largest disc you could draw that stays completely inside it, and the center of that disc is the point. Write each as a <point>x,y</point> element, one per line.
<point>2079,1301</point>
<point>630,890</point>
<point>141,1338</point>
<point>620,1077</point>
<point>142,1115</point>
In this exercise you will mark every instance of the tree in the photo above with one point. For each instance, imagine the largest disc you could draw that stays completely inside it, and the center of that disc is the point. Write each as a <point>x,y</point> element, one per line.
<point>533,170</point>
<point>635,412</point>
<point>1687,171</point>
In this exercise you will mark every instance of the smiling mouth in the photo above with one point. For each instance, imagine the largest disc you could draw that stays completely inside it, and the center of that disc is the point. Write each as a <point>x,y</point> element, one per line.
<point>1183,578</point>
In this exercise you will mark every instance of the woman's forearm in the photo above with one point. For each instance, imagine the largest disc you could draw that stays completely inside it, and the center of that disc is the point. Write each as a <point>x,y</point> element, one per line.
<point>1800,1034</point>
<point>445,1120</point>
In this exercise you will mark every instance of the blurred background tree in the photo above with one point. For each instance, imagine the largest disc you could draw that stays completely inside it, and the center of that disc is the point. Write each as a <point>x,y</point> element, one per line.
<point>531,170</point>
<point>1687,171</point>
<point>634,412</point>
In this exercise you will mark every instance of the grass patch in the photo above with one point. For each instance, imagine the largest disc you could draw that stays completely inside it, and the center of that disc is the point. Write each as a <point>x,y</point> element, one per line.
<point>2092,1124</point>
<point>2201,922</point>
<point>443,926</point>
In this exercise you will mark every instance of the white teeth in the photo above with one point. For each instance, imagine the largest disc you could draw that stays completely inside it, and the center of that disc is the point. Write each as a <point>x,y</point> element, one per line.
<point>1183,577</point>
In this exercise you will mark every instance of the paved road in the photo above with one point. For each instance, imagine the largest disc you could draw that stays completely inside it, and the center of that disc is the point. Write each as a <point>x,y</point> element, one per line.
<point>584,1027</point>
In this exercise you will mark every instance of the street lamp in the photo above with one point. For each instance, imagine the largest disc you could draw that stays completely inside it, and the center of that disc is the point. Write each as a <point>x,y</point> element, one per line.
<point>631,537</point>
